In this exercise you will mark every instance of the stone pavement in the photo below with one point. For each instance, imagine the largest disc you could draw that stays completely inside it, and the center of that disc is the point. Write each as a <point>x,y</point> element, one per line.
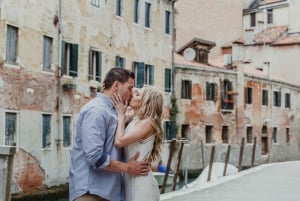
<point>268,182</point>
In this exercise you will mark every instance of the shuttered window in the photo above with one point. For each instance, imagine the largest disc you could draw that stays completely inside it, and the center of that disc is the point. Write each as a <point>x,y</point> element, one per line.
<point>69,59</point>
<point>46,130</point>
<point>10,129</point>
<point>186,89</point>
<point>47,53</point>
<point>144,74</point>
<point>11,44</point>
<point>66,131</point>
<point>95,61</point>
<point>167,80</point>
<point>211,91</point>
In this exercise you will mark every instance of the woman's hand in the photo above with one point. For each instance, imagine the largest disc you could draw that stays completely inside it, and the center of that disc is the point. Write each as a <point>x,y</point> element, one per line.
<point>119,104</point>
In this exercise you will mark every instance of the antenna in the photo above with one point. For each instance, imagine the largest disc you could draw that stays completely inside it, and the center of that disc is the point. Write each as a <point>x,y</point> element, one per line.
<point>189,54</point>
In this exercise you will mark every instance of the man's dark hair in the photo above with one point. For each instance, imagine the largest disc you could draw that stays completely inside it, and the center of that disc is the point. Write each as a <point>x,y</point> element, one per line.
<point>117,74</point>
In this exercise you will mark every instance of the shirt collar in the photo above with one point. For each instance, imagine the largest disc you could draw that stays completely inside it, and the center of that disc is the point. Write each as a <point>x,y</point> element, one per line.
<point>107,100</point>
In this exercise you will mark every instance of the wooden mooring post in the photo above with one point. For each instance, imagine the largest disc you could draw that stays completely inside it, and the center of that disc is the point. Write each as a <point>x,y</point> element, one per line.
<point>177,166</point>
<point>241,154</point>
<point>172,150</point>
<point>226,160</point>
<point>6,165</point>
<point>253,152</point>
<point>211,162</point>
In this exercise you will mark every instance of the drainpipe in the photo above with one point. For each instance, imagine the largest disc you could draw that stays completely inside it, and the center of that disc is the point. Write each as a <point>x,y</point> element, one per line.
<point>173,46</point>
<point>58,76</point>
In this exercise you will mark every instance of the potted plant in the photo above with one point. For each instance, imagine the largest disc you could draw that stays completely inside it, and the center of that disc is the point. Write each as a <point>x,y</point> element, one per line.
<point>69,85</point>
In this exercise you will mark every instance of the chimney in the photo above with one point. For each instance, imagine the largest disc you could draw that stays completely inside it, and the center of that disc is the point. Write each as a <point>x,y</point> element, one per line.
<point>294,10</point>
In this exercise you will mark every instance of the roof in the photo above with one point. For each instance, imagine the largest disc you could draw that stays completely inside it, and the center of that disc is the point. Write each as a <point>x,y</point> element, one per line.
<point>275,35</point>
<point>291,39</point>
<point>195,42</point>
<point>270,34</point>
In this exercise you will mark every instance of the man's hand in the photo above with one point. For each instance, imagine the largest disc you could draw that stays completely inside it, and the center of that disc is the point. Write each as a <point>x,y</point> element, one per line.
<point>137,168</point>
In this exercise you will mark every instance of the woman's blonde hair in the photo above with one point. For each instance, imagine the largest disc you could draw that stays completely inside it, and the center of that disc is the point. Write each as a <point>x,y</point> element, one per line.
<point>152,106</point>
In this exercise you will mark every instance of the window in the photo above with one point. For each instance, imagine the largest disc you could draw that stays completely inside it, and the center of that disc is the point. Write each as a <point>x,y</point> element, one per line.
<point>170,130</point>
<point>95,58</point>
<point>67,131</point>
<point>208,134</point>
<point>265,97</point>
<point>119,4</point>
<point>277,99</point>
<point>270,16</point>
<point>248,94</point>
<point>167,22</point>
<point>186,131</point>
<point>249,134</point>
<point>69,59</point>
<point>211,91</point>
<point>287,133</point>
<point>95,3</point>
<point>225,133</point>
<point>47,53</point>
<point>186,89</point>
<point>46,130</point>
<point>287,100</point>
<point>136,11</point>
<point>264,130</point>
<point>252,19</point>
<point>147,14</point>
<point>227,97</point>
<point>10,128</point>
<point>144,74</point>
<point>274,135</point>
<point>167,80</point>
<point>120,62</point>
<point>11,44</point>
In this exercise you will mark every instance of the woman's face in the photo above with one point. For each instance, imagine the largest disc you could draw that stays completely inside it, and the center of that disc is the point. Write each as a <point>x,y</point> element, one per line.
<point>136,100</point>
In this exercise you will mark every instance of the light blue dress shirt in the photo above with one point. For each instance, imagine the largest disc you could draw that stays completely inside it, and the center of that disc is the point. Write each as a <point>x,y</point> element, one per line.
<point>93,148</point>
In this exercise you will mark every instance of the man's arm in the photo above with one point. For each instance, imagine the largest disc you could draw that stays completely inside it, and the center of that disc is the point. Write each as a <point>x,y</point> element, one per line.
<point>132,167</point>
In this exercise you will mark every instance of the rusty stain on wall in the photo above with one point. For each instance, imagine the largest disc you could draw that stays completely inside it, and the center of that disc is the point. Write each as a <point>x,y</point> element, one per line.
<point>27,172</point>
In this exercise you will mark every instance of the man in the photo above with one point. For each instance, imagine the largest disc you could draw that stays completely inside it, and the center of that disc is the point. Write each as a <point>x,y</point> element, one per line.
<point>95,161</point>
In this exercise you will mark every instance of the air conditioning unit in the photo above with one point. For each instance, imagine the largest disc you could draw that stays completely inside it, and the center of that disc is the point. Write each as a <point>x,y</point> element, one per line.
<point>227,59</point>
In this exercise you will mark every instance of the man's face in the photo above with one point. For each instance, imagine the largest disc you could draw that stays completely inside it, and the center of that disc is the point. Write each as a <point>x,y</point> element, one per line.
<point>125,90</point>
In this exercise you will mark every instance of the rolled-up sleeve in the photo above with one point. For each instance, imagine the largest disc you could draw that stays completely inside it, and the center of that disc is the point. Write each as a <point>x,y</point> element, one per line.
<point>93,131</point>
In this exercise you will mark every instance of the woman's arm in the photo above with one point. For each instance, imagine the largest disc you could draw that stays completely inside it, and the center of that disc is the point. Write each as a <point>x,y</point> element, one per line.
<point>141,130</point>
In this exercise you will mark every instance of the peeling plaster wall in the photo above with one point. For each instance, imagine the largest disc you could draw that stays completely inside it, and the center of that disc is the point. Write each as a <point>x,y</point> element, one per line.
<point>30,92</point>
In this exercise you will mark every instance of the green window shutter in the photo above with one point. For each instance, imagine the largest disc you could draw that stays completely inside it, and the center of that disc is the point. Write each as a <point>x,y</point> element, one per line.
<point>151,75</point>
<point>98,66</point>
<point>182,89</point>
<point>117,61</point>
<point>189,89</point>
<point>74,60</point>
<point>208,92</point>
<point>66,131</point>
<point>63,56</point>
<point>167,80</point>
<point>90,75</point>
<point>215,91</point>
<point>140,74</point>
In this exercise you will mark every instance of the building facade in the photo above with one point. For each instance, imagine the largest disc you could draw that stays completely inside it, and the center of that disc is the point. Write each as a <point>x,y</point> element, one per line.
<point>54,55</point>
<point>246,90</point>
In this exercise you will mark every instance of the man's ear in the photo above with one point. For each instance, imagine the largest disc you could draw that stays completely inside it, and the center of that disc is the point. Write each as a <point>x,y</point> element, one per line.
<point>116,85</point>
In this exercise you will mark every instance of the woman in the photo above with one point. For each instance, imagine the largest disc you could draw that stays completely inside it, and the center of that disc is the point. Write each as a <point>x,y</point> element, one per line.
<point>144,135</point>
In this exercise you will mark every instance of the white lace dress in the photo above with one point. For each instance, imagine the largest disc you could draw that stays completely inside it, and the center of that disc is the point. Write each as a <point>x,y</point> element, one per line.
<point>140,188</point>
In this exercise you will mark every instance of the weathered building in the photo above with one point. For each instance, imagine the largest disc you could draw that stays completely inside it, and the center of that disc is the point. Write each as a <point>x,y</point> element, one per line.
<point>53,56</point>
<point>271,39</point>
<point>222,104</point>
